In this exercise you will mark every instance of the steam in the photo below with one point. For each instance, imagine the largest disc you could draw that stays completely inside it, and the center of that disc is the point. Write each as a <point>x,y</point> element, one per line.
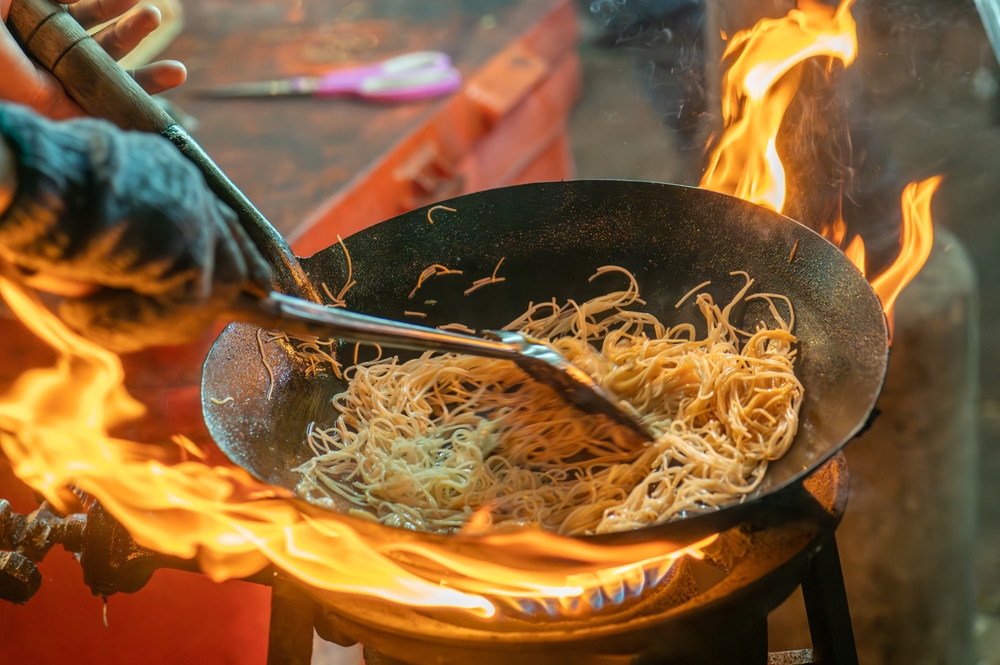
<point>625,14</point>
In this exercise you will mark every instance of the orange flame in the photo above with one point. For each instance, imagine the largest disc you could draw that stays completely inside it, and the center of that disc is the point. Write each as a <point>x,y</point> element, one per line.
<point>759,86</point>
<point>916,241</point>
<point>856,253</point>
<point>835,232</point>
<point>54,429</point>
<point>756,92</point>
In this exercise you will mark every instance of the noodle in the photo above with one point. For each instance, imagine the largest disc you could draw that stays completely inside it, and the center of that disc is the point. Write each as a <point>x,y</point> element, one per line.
<point>691,293</point>
<point>431,219</point>
<point>378,348</point>
<point>310,349</point>
<point>329,294</point>
<point>493,279</point>
<point>267,365</point>
<point>315,352</point>
<point>457,327</point>
<point>338,300</point>
<point>350,273</point>
<point>431,271</point>
<point>795,250</point>
<point>428,443</point>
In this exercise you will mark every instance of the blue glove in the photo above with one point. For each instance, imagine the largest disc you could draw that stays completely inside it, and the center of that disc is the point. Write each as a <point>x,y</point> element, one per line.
<point>127,213</point>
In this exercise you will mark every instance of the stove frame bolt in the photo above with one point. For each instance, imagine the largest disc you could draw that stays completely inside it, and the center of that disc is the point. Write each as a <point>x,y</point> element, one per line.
<point>19,578</point>
<point>44,529</point>
<point>11,526</point>
<point>26,541</point>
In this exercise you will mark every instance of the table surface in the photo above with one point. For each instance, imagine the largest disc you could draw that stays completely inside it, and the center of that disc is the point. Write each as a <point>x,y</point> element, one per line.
<point>291,154</point>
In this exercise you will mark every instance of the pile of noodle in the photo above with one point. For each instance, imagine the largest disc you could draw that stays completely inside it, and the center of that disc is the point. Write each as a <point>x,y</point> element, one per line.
<point>444,441</point>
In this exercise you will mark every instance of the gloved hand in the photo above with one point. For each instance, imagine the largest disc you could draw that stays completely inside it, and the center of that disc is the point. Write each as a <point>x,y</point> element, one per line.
<point>125,212</point>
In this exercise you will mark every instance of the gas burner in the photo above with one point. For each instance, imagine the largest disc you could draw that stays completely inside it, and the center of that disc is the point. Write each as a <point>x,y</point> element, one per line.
<point>696,612</point>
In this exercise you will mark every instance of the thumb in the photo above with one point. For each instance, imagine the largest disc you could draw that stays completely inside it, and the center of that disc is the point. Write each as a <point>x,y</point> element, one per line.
<point>4,9</point>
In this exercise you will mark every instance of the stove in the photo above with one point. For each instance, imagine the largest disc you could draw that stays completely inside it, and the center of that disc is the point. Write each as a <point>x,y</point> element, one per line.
<point>696,612</point>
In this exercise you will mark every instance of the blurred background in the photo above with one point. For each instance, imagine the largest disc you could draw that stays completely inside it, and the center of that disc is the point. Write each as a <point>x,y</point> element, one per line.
<point>557,89</point>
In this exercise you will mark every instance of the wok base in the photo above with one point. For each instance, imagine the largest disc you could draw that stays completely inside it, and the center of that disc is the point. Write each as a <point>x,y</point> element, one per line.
<point>724,622</point>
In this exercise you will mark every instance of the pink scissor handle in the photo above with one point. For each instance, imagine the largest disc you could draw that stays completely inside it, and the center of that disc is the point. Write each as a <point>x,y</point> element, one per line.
<point>403,78</point>
<point>417,85</point>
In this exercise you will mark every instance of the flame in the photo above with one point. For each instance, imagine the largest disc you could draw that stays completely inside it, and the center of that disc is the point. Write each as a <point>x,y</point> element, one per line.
<point>756,92</point>
<point>759,86</point>
<point>916,241</point>
<point>835,232</point>
<point>856,253</point>
<point>54,428</point>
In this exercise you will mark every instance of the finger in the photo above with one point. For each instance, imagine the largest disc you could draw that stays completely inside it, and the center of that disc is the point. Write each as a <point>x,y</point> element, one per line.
<point>89,13</point>
<point>119,38</point>
<point>160,76</point>
<point>22,82</point>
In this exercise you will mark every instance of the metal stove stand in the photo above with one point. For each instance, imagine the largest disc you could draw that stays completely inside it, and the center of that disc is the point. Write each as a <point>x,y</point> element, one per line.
<point>723,623</point>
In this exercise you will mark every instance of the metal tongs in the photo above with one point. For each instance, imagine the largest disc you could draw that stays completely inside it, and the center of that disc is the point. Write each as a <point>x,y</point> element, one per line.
<point>295,315</point>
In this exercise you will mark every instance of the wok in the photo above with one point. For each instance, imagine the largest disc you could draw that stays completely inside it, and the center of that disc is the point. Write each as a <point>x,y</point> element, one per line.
<point>553,237</point>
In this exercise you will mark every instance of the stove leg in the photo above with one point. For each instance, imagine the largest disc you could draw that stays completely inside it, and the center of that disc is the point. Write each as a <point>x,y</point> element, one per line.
<point>827,610</point>
<point>290,637</point>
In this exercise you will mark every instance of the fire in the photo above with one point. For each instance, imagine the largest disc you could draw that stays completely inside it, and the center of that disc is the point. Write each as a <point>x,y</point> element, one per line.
<point>916,241</point>
<point>759,86</point>
<point>54,428</point>
<point>756,92</point>
<point>856,253</point>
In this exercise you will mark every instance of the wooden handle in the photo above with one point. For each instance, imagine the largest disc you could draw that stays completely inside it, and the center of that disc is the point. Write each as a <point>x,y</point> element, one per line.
<point>91,77</point>
<point>104,90</point>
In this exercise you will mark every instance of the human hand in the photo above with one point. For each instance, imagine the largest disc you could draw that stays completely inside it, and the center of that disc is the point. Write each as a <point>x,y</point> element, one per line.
<point>128,219</point>
<point>24,82</point>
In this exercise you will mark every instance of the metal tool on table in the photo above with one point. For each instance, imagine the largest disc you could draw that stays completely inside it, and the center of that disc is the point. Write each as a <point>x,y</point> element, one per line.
<point>405,78</point>
<point>552,237</point>
<point>102,88</point>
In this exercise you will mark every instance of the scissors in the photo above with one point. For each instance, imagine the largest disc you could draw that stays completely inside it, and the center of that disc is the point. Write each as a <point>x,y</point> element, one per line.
<point>418,75</point>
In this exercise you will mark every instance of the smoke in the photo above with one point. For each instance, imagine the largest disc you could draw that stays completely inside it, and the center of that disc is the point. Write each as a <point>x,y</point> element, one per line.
<point>624,15</point>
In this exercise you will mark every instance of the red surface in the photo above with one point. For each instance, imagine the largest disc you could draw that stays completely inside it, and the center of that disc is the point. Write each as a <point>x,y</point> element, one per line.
<point>177,618</point>
<point>508,114</point>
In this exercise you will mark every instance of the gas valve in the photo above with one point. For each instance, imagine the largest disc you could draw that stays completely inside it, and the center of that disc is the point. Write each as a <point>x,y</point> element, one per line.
<point>112,561</point>
<point>25,540</point>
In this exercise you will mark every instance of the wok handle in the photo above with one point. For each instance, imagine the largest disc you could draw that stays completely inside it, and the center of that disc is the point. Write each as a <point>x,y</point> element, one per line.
<point>103,89</point>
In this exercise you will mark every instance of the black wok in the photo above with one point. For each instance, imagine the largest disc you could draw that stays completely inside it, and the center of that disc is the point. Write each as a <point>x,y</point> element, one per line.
<point>553,236</point>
